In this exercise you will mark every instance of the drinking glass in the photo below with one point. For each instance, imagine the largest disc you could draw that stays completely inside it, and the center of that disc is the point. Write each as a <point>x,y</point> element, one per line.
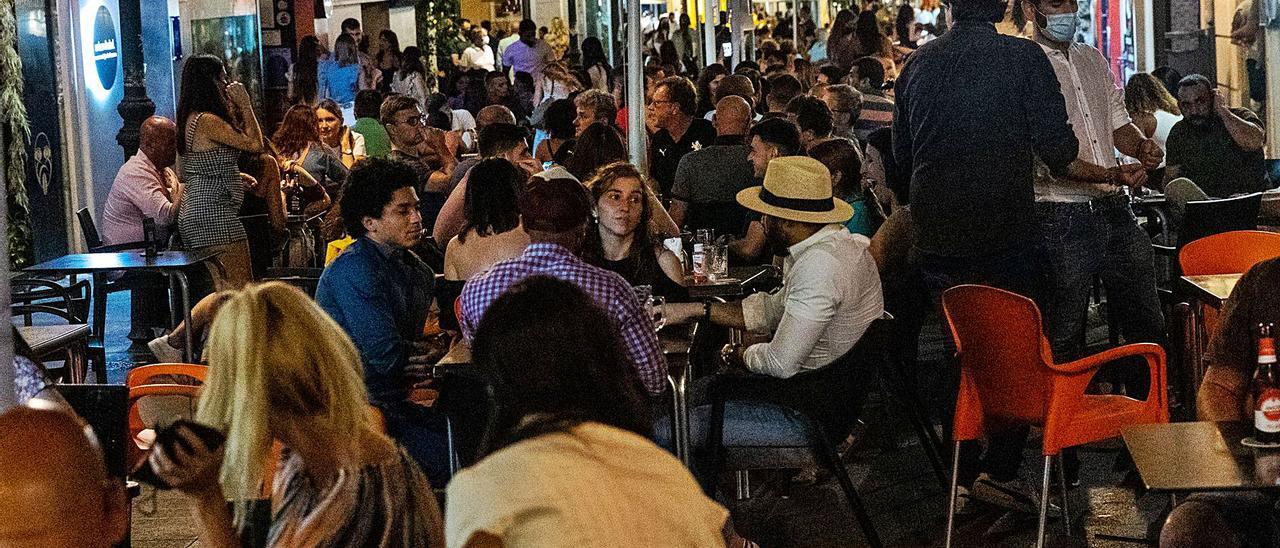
<point>657,311</point>
<point>718,262</point>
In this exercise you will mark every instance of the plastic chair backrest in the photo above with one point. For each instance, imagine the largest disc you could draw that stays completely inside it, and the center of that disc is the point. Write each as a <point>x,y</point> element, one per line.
<point>143,374</point>
<point>1229,252</point>
<point>1003,357</point>
<point>88,229</point>
<point>1209,217</point>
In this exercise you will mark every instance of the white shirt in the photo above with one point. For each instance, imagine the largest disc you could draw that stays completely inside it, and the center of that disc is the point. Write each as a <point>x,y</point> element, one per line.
<point>473,58</point>
<point>595,485</point>
<point>1095,109</point>
<point>830,294</point>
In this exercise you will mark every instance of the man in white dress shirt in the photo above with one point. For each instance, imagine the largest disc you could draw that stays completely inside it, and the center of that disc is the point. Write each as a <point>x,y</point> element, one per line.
<point>831,290</point>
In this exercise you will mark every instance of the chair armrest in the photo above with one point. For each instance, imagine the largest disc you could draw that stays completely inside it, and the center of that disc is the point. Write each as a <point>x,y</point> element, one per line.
<point>1152,352</point>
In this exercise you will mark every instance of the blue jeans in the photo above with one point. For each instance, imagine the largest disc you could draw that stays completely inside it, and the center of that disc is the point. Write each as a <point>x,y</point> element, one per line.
<point>1102,239</point>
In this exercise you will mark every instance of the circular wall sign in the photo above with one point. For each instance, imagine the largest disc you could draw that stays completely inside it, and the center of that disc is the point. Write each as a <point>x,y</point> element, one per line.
<point>106,54</point>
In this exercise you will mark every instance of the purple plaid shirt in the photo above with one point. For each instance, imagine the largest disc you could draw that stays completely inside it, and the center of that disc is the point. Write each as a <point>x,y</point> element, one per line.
<point>609,291</point>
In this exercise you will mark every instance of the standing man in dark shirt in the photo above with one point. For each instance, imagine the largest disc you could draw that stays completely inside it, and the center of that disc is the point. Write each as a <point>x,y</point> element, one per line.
<point>974,108</point>
<point>1215,151</point>
<point>671,109</point>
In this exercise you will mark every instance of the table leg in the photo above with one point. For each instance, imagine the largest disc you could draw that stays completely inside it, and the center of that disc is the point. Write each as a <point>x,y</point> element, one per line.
<point>184,286</point>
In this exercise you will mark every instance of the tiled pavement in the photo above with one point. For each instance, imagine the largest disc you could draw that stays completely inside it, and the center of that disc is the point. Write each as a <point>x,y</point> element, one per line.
<point>896,481</point>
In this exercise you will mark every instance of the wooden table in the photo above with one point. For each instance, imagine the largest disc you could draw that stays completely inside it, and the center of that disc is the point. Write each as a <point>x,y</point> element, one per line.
<point>1212,289</point>
<point>170,263</point>
<point>1189,457</point>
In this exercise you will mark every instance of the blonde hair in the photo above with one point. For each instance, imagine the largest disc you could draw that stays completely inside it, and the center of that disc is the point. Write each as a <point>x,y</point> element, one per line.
<point>1145,93</point>
<point>273,355</point>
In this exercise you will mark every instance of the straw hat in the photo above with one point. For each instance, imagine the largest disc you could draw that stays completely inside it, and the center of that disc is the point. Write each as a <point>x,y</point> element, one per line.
<point>796,188</point>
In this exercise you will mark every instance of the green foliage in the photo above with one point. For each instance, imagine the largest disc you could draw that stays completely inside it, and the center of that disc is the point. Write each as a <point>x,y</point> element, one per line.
<point>439,34</point>
<point>14,135</point>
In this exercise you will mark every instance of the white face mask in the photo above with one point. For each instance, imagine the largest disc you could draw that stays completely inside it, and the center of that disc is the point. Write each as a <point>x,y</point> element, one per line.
<point>1060,27</point>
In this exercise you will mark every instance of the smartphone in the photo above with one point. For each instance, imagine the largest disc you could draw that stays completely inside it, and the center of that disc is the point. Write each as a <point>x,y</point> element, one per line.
<point>168,439</point>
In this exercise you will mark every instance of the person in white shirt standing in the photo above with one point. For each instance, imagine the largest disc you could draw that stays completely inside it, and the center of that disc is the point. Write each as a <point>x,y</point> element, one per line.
<point>830,291</point>
<point>478,55</point>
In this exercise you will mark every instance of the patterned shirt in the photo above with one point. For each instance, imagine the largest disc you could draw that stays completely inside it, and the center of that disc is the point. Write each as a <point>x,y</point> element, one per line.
<point>607,289</point>
<point>877,112</point>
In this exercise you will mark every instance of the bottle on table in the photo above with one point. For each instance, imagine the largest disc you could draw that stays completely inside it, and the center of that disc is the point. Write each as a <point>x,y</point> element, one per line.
<point>1265,389</point>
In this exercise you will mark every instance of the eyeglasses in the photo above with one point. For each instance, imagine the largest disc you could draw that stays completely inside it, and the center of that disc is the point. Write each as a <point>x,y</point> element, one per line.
<point>414,121</point>
<point>615,198</point>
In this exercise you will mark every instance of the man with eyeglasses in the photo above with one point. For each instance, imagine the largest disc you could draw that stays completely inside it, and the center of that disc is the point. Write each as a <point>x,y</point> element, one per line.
<point>427,150</point>
<point>671,112</point>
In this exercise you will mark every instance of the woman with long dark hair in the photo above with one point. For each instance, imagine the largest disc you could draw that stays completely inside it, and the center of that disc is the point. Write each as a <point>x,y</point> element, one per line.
<point>708,81</point>
<point>491,234</point>
<point>217,124</point>
<point>340,77</point>
<point>558,121</point>
<point>620,239</point>
<point>872,42</point>
<point>388,58</point>
<point>348,144</point>
<point>599,145</point>
<point>572,425</point>
<point>410,80</point>
<point>303,83</point>
<point>842,46</point>
<point>596,72</point>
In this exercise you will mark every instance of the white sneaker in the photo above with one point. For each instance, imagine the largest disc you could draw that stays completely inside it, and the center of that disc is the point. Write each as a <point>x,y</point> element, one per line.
<point>1015,494</point>
<point>163,351</point>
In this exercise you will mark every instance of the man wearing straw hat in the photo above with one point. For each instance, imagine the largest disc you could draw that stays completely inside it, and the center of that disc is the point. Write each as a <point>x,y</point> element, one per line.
<point>830,291</point>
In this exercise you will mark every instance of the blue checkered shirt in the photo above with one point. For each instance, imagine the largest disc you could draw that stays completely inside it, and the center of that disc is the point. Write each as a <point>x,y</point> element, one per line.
<point>607,289</point>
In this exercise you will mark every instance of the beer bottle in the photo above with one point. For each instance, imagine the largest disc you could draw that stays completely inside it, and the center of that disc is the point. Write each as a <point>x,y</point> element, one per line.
<point>1266,390</point>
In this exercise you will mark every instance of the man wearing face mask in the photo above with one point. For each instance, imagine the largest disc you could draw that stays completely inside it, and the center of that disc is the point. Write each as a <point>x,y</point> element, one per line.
<point>1215,151</point>
<point>1084,215</point>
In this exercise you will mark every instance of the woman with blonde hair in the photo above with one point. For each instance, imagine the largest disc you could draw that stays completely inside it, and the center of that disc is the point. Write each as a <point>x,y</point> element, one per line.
<point>1151,107</point>
<point>281,369</point>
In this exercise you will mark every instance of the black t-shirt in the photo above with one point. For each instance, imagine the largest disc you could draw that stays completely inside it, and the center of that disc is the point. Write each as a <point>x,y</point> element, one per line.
<point>1208,156</point>
<point>665,153</point>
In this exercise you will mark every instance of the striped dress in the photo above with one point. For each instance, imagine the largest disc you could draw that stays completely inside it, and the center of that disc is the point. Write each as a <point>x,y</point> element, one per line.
<point>209,214</point>
<point>382,505</point>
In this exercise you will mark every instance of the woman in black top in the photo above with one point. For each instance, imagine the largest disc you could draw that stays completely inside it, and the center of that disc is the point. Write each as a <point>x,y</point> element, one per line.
<point>620,241</point>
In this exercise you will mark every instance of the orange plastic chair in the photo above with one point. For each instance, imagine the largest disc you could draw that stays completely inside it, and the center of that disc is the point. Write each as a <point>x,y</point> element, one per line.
<point>140,386</point>
<point>1007,375</point>
<point>1232,252</point>
<point>1229,252</point>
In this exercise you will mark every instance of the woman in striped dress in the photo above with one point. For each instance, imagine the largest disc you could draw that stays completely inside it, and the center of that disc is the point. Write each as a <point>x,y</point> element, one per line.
<point>218,124</point>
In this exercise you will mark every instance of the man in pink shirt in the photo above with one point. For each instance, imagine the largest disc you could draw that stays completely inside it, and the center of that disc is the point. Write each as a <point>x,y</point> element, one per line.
<point>145,187</point>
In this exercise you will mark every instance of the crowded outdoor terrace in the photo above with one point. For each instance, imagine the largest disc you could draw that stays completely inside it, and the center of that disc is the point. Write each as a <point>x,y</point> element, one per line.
<point>903,275</point>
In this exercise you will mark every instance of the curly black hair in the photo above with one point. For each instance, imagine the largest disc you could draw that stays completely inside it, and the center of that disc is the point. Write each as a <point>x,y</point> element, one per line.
<point>368,190</point>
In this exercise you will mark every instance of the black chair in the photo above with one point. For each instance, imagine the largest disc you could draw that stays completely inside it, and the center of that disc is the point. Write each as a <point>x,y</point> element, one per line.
<point>821,406</point>
<point>104,286</point>
<point>305,278</point>
<point>52,341</point>
<point>1206,218</point>
<point>468,403</point>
